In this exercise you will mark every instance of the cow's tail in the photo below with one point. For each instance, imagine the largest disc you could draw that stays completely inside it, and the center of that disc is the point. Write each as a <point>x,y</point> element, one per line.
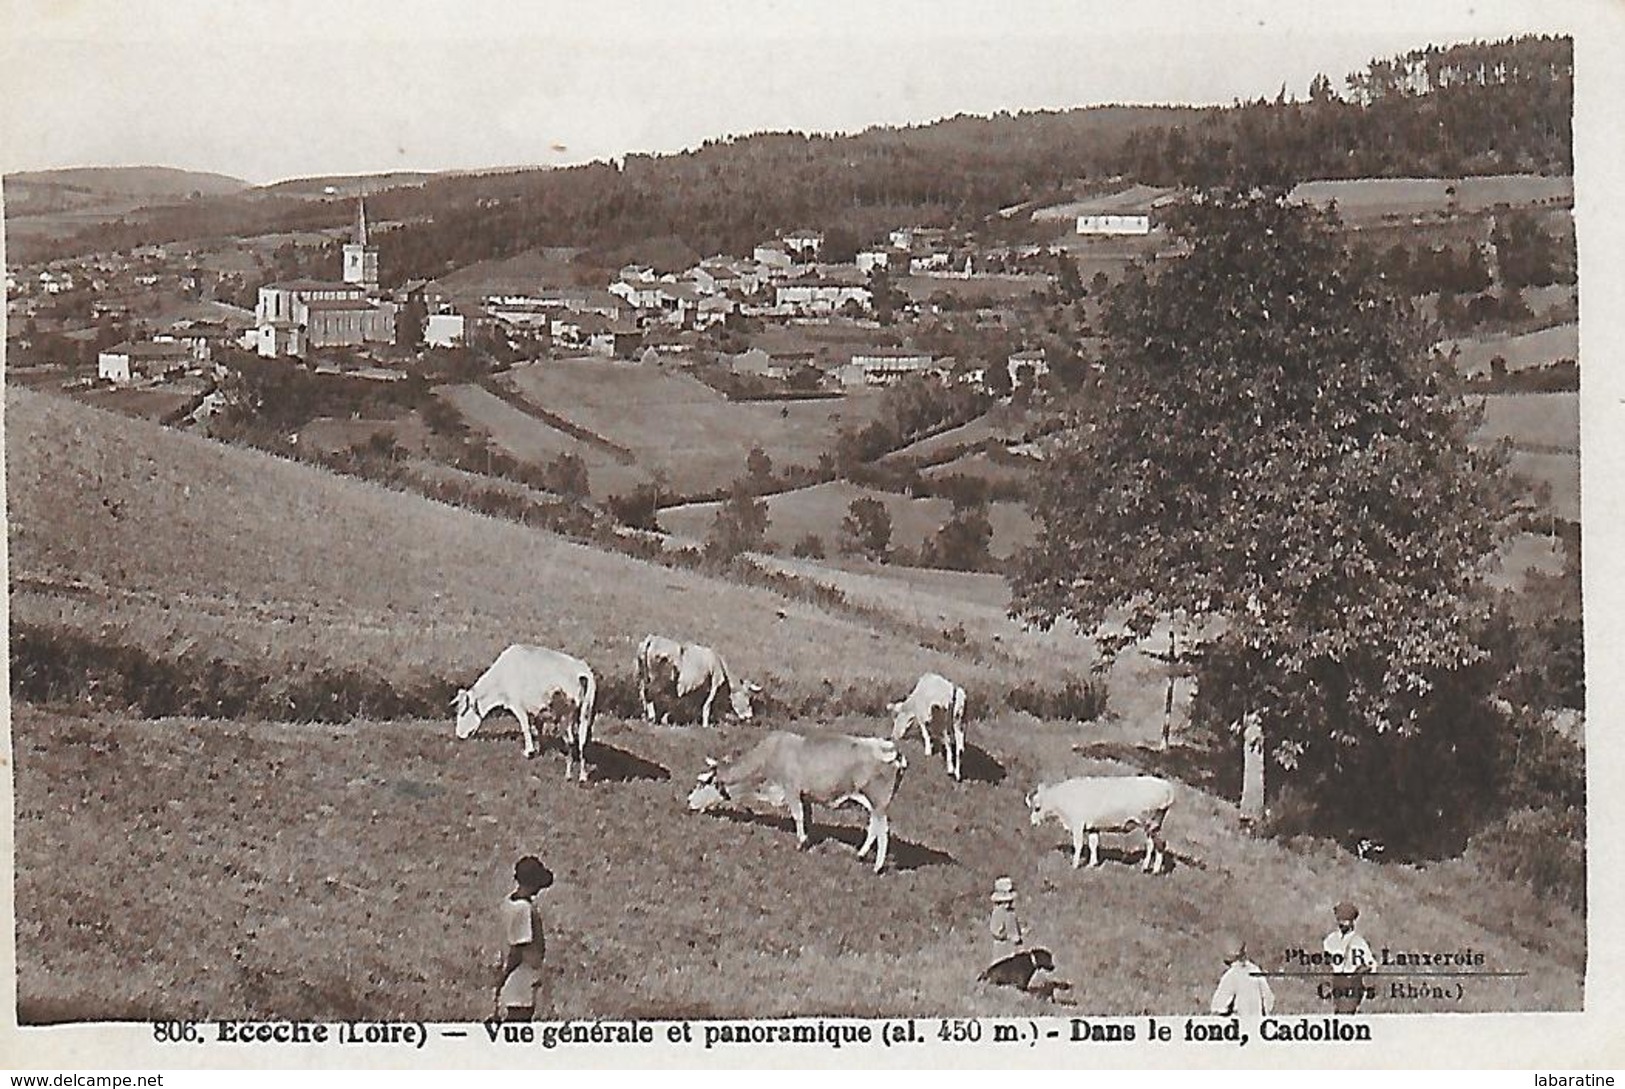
<point>959,714</point>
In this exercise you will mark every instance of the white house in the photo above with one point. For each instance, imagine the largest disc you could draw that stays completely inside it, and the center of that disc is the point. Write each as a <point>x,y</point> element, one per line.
<point>869,260</point>
<point>813,294</point>
<point>804,244</point>
<point>123,362</point>
<point>1114,224</point>
<point>444,330</point>
<point>1034,362</point>
<point>881,367</point>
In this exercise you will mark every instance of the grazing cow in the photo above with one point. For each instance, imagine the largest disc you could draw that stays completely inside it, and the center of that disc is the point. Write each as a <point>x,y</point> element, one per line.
<point>678,669</point>
<point>937,705</point>
<point>1096,804</point>
<point>793,770</point>
<point>526,681</point>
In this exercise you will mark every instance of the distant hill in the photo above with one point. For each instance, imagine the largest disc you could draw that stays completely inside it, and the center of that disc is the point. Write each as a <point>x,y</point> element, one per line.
<point>346,185</point>
<point>37,192</point>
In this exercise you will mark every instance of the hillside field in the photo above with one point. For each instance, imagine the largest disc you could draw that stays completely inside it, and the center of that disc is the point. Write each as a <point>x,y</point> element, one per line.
<point>351,871</point>
<point>1373,198</point>
<point>677,425</point>
<point>1544,422</point>
<point>1520,352</point>
<point>449,592</point>
<point>531,440</point>
<point>284,871</point>
<point>820,509</point>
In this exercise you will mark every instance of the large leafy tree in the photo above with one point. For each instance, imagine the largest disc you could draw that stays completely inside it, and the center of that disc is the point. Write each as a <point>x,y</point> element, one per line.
<point>1275,457</point>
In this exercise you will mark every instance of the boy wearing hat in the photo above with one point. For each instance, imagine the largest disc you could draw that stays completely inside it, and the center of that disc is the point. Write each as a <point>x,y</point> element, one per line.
<point>1243,990</point>
<point>519,973</point>
<point>1003,923</point>
<point>1350,957</point>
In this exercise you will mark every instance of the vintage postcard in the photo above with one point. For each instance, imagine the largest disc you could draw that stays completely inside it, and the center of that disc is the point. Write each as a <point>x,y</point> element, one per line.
<point>825,535</point>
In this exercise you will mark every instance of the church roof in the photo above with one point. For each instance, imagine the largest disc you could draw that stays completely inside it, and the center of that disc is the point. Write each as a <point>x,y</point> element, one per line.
<point>338,304</point>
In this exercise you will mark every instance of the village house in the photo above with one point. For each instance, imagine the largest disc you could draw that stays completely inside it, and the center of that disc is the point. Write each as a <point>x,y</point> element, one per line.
<point>445,330</point>
<point>1032,363</point>
<point>804,244</point>
<point>125,362</point>
<point>883,367</point>
<point>822,293</point>
<point>869,260</point>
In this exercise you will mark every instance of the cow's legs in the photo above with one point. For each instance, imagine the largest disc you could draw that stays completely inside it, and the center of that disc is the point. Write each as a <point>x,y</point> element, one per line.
<point>882,834</point>
<point>526,729</point>
<point>925,735</point>
<point>869,834</point>
<point>579,742</point>
<point>958,767</point>
<point>643,693</point>
<point>1094,848</point>
<point>705,712</point>
<point>1077,846</point>
<point>1153,853</point>
<point>798,811</point>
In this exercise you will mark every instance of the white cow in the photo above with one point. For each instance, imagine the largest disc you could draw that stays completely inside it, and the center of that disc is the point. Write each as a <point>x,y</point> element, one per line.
<point>1096,804</point>
<point>793,770</point>
<point>937,705</point>
<point>676,669</point>
<point>526,680</point>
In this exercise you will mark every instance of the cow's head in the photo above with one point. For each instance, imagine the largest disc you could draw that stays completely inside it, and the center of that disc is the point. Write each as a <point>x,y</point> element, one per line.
<point>468,716</point>
<point>901,717</point>
<point>708,793</point>
<point>1036,804</point>
<point>739,695</point>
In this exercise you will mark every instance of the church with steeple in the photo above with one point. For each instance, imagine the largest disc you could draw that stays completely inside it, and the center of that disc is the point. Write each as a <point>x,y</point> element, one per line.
<point>295,317</point>
<point>361,259</point>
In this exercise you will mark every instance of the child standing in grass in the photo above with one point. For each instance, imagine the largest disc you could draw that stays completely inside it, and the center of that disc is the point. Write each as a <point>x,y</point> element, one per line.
<point>519,971</point>
<point>1003,923</point>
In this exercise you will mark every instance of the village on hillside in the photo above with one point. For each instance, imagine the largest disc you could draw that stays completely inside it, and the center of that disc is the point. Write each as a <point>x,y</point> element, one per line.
<point>777,303</point>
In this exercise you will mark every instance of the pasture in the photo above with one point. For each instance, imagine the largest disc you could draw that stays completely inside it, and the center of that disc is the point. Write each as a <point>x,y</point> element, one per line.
<point>350,871</point>
<point>820,509</point>
<point>90,493</point>
<point>1374,198</point>
<point>678,426</point>
<point>1541,422</point>
<point>1474,355</point>
<point>531,440</point>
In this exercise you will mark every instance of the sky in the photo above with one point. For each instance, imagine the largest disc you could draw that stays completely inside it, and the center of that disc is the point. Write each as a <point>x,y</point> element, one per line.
<point>267,91</point>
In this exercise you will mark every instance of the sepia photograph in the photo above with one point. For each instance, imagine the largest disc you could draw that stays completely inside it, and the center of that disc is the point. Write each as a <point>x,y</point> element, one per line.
<point>791,518</point>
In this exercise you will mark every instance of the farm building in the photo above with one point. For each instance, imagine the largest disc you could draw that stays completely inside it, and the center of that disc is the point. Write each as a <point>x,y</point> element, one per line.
<point>882,368</point>
<point>822,293</point>
<point>124,362</point>
<point>444,330</point>
<point>1109,224</point>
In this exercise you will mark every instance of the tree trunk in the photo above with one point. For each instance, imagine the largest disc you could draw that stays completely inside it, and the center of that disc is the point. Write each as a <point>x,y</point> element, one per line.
<point>1252,773</point>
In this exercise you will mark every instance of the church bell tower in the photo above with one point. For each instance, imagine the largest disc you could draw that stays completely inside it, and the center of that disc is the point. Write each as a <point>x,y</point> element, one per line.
<point>360,259</point>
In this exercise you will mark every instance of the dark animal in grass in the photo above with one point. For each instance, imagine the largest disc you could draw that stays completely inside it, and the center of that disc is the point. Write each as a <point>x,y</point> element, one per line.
<point>1018,969</point>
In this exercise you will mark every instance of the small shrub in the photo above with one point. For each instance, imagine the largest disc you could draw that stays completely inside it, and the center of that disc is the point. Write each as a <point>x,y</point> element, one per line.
<point>1075,701</point>
<point>1544,848</point>
<point>810,547</point>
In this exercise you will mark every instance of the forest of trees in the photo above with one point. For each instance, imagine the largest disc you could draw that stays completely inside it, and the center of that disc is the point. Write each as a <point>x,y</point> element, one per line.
<point>1469,109</point>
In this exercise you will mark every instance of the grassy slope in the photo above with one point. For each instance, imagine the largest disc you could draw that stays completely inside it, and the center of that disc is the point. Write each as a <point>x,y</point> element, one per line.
<point>352,872</point>
<point>821,508</point>
<point>1533,419</point>
<point>677,424</point>
<point>328,872</point>
<point>1520,352</point>
<point>529,439</point>
<point>187,544</point>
